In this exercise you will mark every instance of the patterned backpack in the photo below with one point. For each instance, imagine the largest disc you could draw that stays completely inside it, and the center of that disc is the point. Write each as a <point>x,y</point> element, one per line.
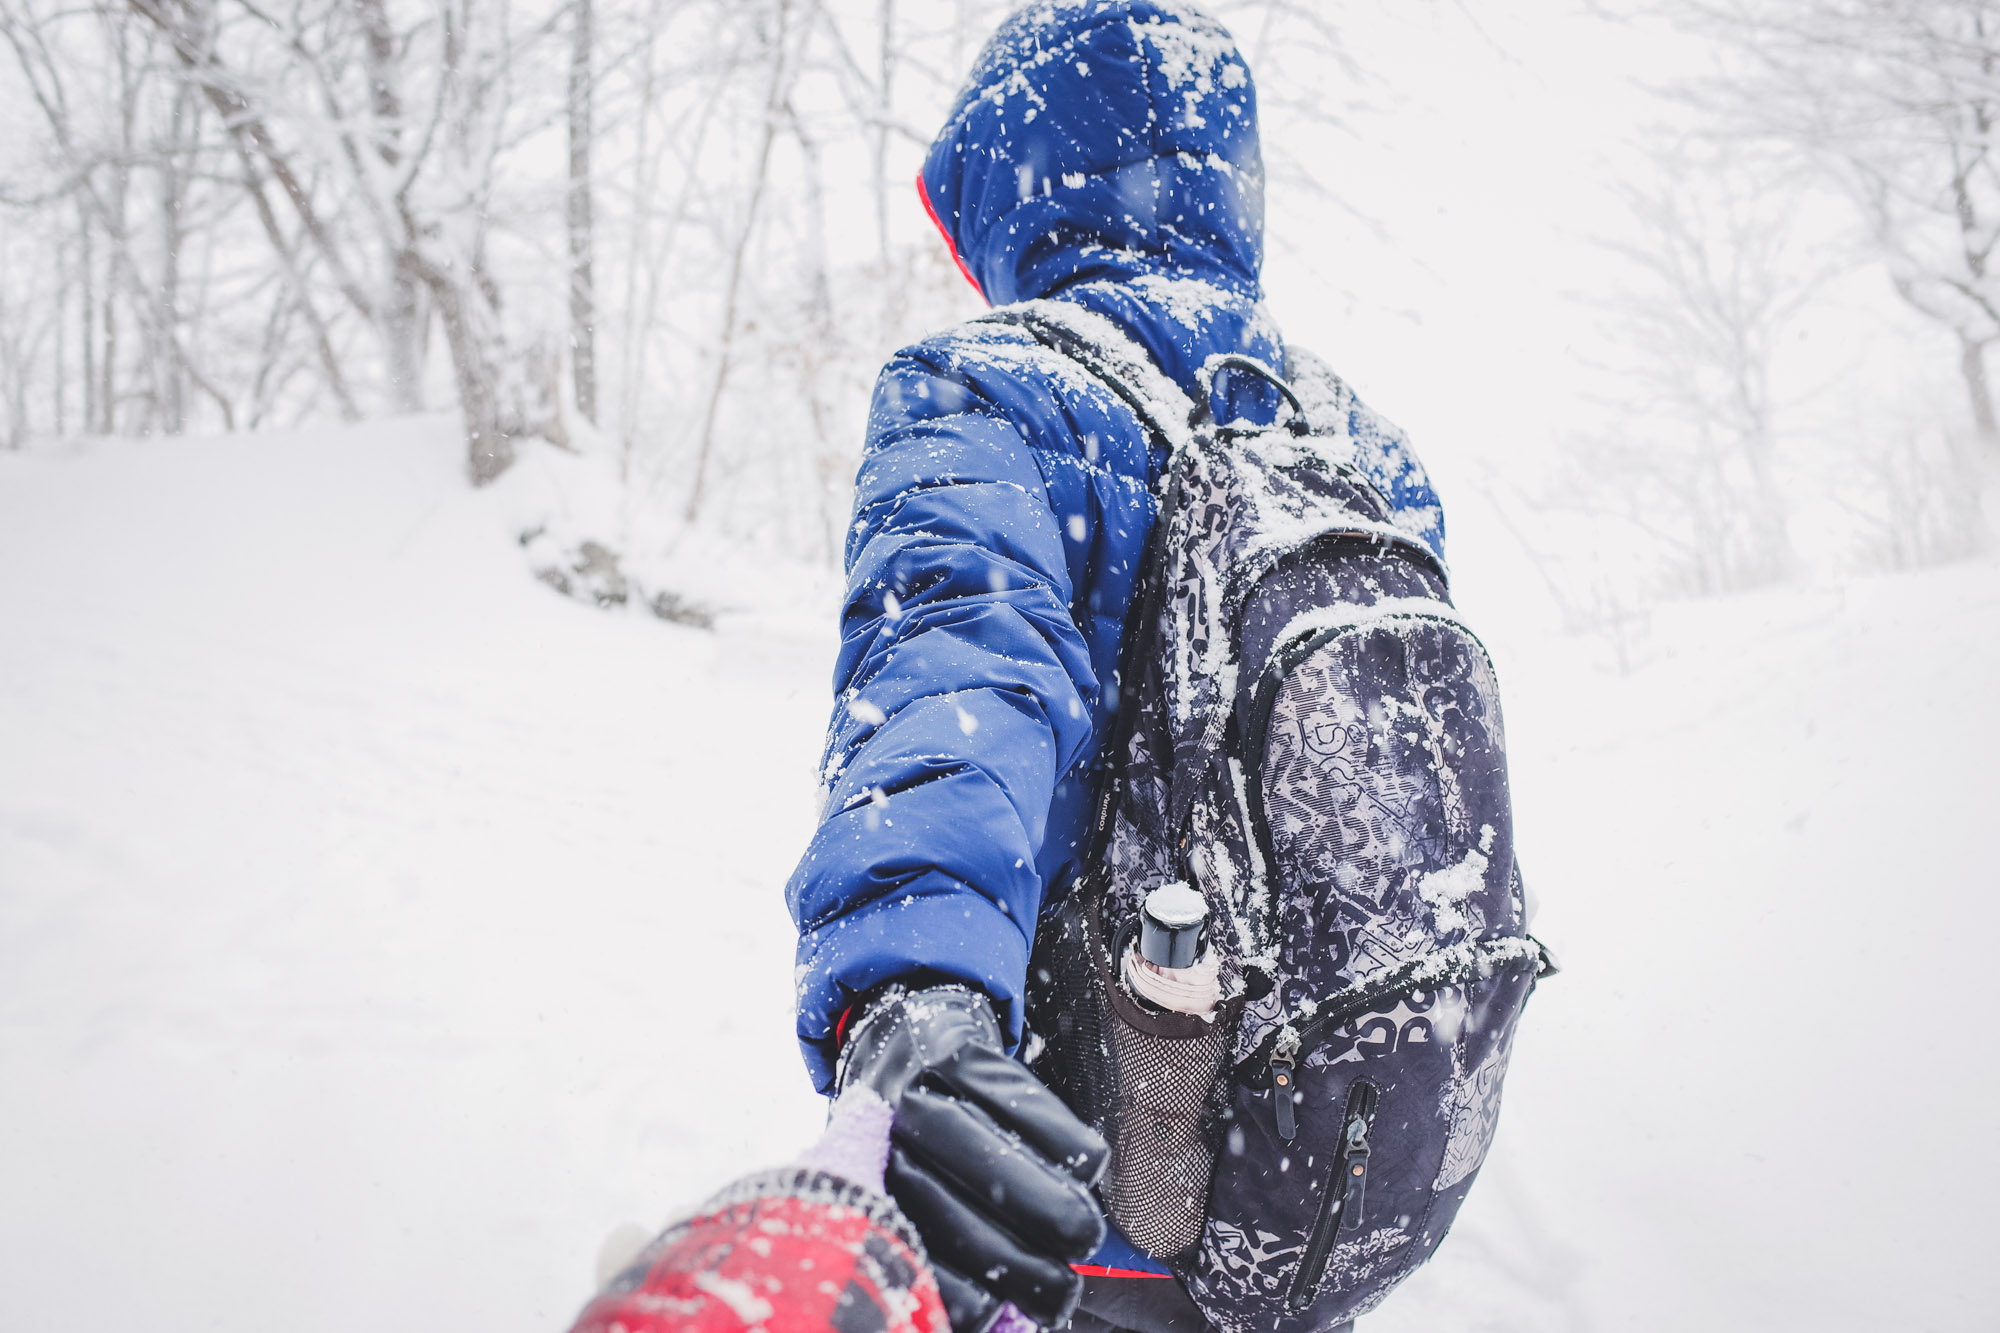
<point>1308,736</point>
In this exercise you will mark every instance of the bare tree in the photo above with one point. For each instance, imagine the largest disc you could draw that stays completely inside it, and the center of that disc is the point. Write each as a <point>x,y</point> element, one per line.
<point>884,126</point>
<point>406,121</point>
<point>1896,100</point>
<point>1677,490</point>
<point>248,214</point>
<point>777,29</point>
<point>92,81</point>
<point>1713,288</point>
<point>582,285</point>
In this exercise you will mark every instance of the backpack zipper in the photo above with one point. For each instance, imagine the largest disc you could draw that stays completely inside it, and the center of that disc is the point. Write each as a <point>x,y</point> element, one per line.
<point>1354,1171</point>
<point>1345,1195</point>
<point>1263,1067</point>
<point>1284,1097</point>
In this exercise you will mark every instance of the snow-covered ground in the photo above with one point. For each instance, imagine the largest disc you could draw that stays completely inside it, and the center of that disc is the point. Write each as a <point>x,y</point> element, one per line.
<point>379,930</point>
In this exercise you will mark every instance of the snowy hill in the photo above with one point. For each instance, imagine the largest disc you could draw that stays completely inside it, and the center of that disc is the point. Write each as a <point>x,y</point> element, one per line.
<point>378,930</point>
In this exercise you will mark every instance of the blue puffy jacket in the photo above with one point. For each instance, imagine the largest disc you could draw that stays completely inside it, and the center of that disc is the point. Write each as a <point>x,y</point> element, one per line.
<point>1105,153</point>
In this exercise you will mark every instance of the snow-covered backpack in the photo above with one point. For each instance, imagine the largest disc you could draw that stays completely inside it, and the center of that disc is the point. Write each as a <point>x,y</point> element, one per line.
<point>1308,735</point>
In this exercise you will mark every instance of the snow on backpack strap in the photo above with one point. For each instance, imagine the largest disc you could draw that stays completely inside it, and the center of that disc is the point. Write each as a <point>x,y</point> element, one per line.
<point>1097,346</point>
<point>1103,350</point>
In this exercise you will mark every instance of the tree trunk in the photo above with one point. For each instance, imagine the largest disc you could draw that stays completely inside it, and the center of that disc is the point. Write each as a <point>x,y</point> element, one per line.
<point>1979,390</point>
<point>89,318</point>
<point>118,263</point>
<point>884,103</point>
<point>107,359</point>
<point>167,353</point>
<point>60,385</point>
<point>774,104</point>
<point>645,175</point>
<point>492,414</point>
<point>399,313</point>
<point>582,288</point>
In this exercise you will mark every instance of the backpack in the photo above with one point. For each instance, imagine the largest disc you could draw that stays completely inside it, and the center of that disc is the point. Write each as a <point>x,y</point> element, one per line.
<point>1307,734</point>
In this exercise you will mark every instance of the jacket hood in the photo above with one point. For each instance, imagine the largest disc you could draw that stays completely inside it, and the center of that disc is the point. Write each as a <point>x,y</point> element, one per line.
<point>1102,139</point>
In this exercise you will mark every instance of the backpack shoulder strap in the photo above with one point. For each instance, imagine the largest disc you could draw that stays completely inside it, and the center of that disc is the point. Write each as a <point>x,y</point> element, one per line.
<point>1167,422</point>
<point>1142,615</point>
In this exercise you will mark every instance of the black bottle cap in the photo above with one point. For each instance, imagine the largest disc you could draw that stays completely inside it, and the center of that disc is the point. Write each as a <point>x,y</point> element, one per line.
<point>1173,926</point>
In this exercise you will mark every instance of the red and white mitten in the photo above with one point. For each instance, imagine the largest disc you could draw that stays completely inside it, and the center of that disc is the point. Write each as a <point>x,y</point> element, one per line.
<point>816,1247</point>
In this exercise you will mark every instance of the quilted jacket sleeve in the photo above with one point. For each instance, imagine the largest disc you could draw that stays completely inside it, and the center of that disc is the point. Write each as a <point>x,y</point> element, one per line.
<point>963,693</point>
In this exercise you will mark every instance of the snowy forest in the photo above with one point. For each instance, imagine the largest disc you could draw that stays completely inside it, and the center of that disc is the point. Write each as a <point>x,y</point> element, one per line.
<point>614,228</point>
<point>428,431</point>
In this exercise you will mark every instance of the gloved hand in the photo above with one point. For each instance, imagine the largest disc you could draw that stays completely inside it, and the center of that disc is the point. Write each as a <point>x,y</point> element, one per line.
<point>988,1164</point>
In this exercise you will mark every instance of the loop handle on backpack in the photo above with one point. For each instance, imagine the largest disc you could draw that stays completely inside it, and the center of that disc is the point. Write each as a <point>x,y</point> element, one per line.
<point>1239,361</point>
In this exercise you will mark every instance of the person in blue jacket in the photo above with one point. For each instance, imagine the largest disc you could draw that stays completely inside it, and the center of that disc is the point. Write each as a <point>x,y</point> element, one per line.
<point>1103,154</point>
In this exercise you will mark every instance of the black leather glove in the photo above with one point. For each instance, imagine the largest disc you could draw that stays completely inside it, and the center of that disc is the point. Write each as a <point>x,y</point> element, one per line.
<point>988,1164</point>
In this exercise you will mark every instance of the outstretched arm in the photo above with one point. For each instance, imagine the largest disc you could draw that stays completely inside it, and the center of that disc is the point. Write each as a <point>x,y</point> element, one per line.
<point>963,693</point>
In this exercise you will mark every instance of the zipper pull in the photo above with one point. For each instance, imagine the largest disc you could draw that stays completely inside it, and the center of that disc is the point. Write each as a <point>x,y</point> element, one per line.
<point>1282,1090</point>
<point>1355,1169</point>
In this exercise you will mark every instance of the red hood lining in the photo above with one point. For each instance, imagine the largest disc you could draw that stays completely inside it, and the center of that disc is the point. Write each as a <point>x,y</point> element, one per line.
<point>924,193</point>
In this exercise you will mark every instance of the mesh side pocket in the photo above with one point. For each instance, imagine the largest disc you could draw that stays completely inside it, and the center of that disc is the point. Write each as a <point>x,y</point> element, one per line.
<point>1161,1132</point>
<point>1148,1081</point>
